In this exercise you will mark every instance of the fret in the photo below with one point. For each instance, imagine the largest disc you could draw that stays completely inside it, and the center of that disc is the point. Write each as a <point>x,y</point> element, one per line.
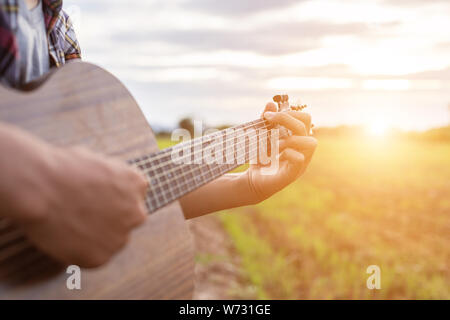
<point>196,176</point>
<point>216,171</point>
<point>253,153</point>
<point>229,146</point>
<point>167,192</point>
<point>157,190</point>
<point>164,172</point>
<point>177,191</point>
<point>169,181</point>
<point>240,150</point>
<point>210,174</point>
<point>197,171</point>
<point>151,202</point>
<point>189,175</point>
<point>161,200</point>
<point>174,191</point>
<point>172,183</point>
<point>241,159</point>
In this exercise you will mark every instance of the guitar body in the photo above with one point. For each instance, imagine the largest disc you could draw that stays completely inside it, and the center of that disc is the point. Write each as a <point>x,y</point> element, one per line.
<point>82,104</point>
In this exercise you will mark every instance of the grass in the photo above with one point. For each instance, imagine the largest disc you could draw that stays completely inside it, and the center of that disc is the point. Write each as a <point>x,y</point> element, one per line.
<point>362,202</point>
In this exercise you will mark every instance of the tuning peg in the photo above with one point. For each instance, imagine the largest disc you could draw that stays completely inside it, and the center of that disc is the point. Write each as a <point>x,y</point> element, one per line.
<point>277,98</point>
<point>282,101</point>
<point>281,98</point>
<point>299,108</point>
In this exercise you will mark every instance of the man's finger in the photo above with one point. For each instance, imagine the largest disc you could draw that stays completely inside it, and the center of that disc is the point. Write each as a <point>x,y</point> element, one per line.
<point>296,161</point>
<point>305,145</point>
<point>270,107</point>
<point>287,121</point>
<point>298,143</point>
<point>303,117</point>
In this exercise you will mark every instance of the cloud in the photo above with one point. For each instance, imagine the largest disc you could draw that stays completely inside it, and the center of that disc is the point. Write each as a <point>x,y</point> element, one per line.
<point>238,7</point>
<point>213,59</point>
<point>415,3</point>
<point>283,38</point>
<point>443,46</point>
<point>442,74</point>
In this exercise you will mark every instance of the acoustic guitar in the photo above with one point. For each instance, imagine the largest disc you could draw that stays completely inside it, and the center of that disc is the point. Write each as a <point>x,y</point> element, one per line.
<point>81,104</point>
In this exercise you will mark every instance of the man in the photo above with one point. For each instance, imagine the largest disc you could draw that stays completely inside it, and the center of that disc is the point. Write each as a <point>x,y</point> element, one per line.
<point>78,206</point>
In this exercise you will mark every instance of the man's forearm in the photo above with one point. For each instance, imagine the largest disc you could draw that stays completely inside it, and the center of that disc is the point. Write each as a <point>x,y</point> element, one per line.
<point>23,162</point>
<point>229,191</point>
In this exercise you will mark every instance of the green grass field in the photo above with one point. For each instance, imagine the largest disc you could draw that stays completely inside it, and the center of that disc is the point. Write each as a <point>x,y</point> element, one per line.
<point>362,202</point>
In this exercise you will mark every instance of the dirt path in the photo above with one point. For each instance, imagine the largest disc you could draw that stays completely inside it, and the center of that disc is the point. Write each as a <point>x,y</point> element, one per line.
<point>217,272</point>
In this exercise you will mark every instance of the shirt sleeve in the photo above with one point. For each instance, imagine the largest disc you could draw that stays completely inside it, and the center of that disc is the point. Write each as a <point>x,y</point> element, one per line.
<point>72,47</point>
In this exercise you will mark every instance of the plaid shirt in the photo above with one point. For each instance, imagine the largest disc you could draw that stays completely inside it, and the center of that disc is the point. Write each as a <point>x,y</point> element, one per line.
<point>62,42</point>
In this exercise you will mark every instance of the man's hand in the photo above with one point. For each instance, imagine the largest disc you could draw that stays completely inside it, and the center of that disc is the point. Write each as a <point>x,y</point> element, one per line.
<point>251,187</point>
<point>295,154</point>
<point>72,204</point>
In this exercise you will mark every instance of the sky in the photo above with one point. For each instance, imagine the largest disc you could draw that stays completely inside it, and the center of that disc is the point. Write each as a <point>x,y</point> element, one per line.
<point>353,62</point>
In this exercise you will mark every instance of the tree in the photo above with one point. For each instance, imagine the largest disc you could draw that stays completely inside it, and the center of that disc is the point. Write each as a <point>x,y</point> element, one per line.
<point>188,124</point>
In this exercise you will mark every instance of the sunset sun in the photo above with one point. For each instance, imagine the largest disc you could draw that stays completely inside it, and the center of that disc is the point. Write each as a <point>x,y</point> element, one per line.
<point>377,129</point>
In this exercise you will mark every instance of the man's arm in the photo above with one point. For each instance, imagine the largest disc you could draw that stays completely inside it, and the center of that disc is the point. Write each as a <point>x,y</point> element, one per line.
<point>229,191</point>
<point>74,205</point>
<point>251,187</point>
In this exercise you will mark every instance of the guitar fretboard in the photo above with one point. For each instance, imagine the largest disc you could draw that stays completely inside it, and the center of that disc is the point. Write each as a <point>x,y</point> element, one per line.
<point>170,180</point>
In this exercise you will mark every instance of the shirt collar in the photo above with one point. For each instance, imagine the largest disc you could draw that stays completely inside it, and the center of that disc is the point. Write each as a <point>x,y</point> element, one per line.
<point>52,9</point>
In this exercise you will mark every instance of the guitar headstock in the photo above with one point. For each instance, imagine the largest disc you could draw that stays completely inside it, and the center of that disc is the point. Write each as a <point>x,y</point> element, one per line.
<point>283,103</point>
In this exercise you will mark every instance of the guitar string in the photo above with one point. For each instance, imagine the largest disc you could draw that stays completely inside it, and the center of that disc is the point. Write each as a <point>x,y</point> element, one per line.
<point>194,182</point>
<point>194,178</point>
<point>196,141</point>
<point>165,173</point>
<point>199,139</point>
<point>195,153</point>
<point>159,155</point>
<point>187,183</point>
<point>184,186</point>
<point>150,169</point>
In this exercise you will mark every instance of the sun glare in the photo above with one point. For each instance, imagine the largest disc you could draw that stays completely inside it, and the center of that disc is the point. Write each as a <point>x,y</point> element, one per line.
<point>377,129</point>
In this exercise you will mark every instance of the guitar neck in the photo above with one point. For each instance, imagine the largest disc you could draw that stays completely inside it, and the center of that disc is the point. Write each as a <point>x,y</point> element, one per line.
<point>181,169</point>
